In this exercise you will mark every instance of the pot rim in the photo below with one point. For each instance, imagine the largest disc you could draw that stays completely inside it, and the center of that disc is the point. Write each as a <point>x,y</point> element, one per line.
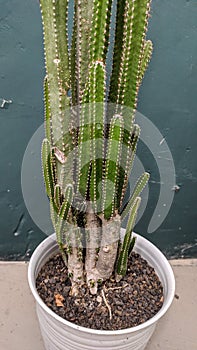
<point>151,321</point>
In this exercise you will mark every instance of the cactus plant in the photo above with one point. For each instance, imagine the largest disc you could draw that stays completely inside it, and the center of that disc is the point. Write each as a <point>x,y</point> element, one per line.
<point>91,135</point>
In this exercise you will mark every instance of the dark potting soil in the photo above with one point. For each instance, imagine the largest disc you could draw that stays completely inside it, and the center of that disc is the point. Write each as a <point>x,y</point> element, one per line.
<point>130,302</point>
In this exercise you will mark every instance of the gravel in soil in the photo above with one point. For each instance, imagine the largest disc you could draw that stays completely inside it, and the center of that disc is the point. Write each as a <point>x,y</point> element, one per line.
<point>132,301</point>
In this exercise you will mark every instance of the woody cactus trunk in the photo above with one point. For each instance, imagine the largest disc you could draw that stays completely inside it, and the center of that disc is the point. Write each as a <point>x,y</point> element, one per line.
<point>91,135</point>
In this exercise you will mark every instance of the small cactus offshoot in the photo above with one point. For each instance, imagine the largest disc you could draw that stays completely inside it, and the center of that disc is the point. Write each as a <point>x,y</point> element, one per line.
<point>91,135</point>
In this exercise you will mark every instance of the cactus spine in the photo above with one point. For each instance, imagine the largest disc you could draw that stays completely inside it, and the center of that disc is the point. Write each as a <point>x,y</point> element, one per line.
<point>88,153</point>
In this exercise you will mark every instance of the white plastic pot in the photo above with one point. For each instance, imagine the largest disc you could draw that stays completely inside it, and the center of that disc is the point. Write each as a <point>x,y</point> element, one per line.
<point>59,334</point>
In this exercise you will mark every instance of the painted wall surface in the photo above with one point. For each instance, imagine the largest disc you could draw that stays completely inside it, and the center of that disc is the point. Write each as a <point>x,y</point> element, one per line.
<point>167,98</point>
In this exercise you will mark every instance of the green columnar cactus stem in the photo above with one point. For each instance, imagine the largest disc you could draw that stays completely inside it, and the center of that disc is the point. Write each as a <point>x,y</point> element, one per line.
<point>146,56</point>
<point>112,165</point>
<point>128,160</point>
<point>117,56</point>
<point>135,26</point>
<point>98,115</point>
<point>100,28</point>
<point>84,151</point>
<point>48,126</point>
<point>107,28</point>
<point>125,247</point>
<point>129,67</point>
<point>128,138</point>
<point>54,15</point>
<point>91,131</point>
<point>94,93</point>
<point>64,211</point>
<point>89,149</point>
<point>74,65</point>
<point>47,165</point>
<point>80,48</point>
<point>57,196</point>
<point>140,184</point>
<point>62,217</point>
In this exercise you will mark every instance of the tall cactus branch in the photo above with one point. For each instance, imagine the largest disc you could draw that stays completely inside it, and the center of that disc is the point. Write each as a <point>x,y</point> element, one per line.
<point>146,56</point>
<point>127,241</point>
<point>127,161</point>
<point>112,165</point>
<point>97,139</point>
<point>47,112</point>
<point>117,54</point>
<point>80,48</point>
<point>135,26</point>
<point>133,36</point>
<point>99,29</point>
<point>54,16</point>
<point>93,94</point>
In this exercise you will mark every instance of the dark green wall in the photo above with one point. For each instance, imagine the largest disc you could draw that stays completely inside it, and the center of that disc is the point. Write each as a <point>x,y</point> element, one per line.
<point>167,98</point>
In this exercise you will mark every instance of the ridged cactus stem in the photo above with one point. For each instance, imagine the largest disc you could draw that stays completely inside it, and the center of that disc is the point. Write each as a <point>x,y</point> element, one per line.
<point>57,196</point>
<point>112,165</point>
<point>77,58</point>
<point>91,131</point>
<point>127,242</point>
<point>73,65</point>
<point>99,30</point>
<point>135,27</point>
<point>129,157</point>
<point>129,43</point>
<point>117,55</point>
<point>127,30</point>
<point>140,184</point>
<point>64,212</point>
<point>146,56</point>
<point>80,47</point>
<point>48,119</point>
<point>47,166</point>
<point>94,93</point>
<point>54,16</point>
<point>98,122</point>
<point>84,151</point>
<point>57,83</point>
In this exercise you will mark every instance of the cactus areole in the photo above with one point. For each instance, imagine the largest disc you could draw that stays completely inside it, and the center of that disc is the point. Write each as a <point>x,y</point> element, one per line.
<point>91,135</point>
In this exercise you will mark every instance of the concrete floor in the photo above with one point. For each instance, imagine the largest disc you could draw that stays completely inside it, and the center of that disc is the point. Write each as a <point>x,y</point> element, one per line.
<point>19,327</point>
